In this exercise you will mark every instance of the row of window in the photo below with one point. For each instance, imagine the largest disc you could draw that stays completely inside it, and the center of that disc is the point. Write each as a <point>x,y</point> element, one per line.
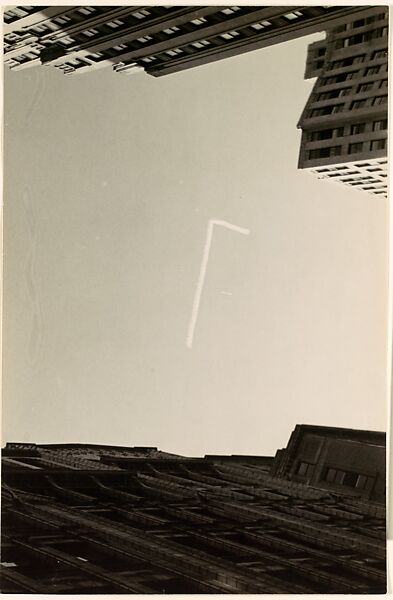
<point>18,12</point>
<point>360,22</point>
<point>347,478</point>
<point>337,476</point>
<point>173,52</point>
<point>365,146</point>
<point>374,70</point>
<point>371,167</point>
<point>375,101</point>
<point>356,129</point>
<point>363,87</point>
<point>354,60</point>
<point>361,38</point>
<point>354,148</point>
<point>380,125</point>
<point>346,62</point>
<point>356,104</point>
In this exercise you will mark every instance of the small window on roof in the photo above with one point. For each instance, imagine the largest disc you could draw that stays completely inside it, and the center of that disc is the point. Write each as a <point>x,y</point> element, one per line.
<point>230,10</point>
<point>141,14</point>
<point>199,21</point>
<point>291,16</point>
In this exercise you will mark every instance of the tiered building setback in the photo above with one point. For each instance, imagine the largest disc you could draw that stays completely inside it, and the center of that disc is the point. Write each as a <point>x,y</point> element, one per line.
<point>102,519</point>
<point>344,124</point>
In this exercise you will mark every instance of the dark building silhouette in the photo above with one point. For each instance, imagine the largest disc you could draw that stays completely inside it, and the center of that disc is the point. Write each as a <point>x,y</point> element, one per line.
<point>103,519</point>
<point>158,39</point>
<point>344,123</point>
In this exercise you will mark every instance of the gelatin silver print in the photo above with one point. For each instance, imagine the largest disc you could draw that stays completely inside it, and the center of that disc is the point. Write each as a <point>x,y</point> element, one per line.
<point>195,299</point>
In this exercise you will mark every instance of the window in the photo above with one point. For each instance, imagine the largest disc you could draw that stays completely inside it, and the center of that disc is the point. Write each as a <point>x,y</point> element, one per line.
<point>261,25</point>
<point>174,52</point>
<point>324,152</point>
<point>365,87</point>
<point>230,10</point>
<point>66,40</point>
<point>362,480</point>
<point>357,128</point>
<point>380,32</point>
<point>350,479</point>
<point>339,78</point>
<point>328,95</point>
<point>326,134</point>
<point>380,100</point>
<point>305,469</point>
<point>201,44</point>
<point>86,10</point>
<point>144,39</point>
<point>380,54</point>
<point>372,70</point>
<point>171,30</point>
<point>120,47</point>
<point>333,475</point>
<point>62,20</point>
<point>337,108</point>
<point>327,110</point>
<point>380,125</point>
<point>378,144</point>
<point>355,148</point>
<point>95,55</point>
<point>293,15</point>
<point>115,23</point>
<point>354,39</point>
<point>384,83</point>
<point>359,104</point>
<point>90,32</point>
<point>141,14</point>
<point>359,23</point>
<point>230,35</point>
<point>199,21</point>
<point>380,17</point>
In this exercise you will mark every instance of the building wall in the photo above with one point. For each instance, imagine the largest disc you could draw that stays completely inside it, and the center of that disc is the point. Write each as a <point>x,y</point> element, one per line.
<point>336,460</point>
<point>159,39</point>
<point>345,118</point>
<point>96,519</point>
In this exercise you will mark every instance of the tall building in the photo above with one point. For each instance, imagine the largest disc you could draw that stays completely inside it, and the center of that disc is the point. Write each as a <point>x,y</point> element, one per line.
<point>344,123</point>
<point>158,39</point>
<point>102,519</point>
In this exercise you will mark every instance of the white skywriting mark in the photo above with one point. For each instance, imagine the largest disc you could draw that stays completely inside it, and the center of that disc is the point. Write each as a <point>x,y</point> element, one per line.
<point>202,273</point>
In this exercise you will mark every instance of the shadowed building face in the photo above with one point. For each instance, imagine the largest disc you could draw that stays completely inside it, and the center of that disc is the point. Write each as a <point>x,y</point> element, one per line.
<point>104,519</point>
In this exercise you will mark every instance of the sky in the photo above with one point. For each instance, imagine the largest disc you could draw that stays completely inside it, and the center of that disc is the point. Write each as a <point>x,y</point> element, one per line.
<point>110,183</point>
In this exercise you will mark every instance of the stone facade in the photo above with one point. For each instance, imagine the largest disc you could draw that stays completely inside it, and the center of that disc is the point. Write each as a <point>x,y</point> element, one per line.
<point>97,519</point>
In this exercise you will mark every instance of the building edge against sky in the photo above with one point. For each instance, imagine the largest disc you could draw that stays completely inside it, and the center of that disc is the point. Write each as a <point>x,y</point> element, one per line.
<point>159,39</point>
<point>344,123</point>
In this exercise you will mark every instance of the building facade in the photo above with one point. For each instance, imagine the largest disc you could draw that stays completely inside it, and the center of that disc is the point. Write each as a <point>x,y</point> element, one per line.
<point>158,39</point>
<point>100,519</point>
<point>344,124</point>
